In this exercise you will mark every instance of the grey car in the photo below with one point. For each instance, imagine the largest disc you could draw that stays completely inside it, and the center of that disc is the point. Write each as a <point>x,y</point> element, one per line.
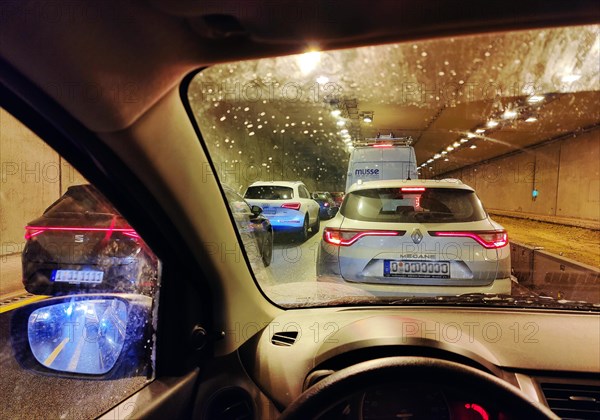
<point>419,237</point>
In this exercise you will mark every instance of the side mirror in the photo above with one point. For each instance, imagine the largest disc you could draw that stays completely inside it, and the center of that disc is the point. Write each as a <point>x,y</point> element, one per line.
<point>256,211</point>
<point>107,335</point>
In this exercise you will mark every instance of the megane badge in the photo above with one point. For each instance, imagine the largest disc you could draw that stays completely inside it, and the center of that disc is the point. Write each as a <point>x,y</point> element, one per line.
<point>416,236</point>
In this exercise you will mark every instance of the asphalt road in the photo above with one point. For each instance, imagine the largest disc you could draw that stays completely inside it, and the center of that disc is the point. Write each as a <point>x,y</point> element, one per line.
<point>294,261</point>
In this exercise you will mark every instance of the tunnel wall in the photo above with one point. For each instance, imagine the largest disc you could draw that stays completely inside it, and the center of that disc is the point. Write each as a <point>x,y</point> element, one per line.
<point>32,176</point>
<point>565,172</point>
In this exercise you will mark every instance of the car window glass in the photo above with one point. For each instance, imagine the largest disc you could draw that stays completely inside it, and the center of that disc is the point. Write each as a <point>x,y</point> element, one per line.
<point>269,192</point>
<point>392,205</point>
<point>302,192</point>
<point>78,288</point>
<point>453,123</point>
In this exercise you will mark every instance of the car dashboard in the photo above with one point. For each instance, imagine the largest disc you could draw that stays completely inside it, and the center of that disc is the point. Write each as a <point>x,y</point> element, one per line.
<point>549,355</point>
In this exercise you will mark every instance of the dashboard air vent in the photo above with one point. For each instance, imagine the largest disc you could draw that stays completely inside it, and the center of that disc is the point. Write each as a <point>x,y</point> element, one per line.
<point>572,401</point>
<point>284,338</point>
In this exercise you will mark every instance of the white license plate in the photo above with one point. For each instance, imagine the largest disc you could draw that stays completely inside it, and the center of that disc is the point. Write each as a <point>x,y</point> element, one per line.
<point>77,276</point>
<point>425,269</point>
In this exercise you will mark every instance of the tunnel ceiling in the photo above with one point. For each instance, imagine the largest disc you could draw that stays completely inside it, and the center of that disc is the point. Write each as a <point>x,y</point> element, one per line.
<point>537,85</point>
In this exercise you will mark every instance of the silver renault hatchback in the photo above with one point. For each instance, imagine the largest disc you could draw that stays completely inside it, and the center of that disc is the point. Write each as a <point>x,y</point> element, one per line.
<point>415,237</point>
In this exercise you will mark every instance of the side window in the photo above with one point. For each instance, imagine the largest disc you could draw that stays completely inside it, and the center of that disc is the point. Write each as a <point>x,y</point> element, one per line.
<point>78,287</point>
<point>303,192</point>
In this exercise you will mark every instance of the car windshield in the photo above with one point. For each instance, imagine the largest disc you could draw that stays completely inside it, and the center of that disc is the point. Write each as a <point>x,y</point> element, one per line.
<point>434,205</point>
<point>489,145</point>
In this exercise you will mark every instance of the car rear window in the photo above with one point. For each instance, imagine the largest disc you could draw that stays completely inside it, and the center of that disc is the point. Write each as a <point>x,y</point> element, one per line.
<point>269,192</point>
<point>434,205</point>
<point>81,199</point>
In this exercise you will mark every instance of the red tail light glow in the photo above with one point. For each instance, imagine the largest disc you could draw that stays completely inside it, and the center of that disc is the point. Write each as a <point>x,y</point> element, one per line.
<point>412,189</point>
<point>293,206</point>
<point>488,239</point>
<point>343,237</point>
<point>382,145</point>
<point>31,231</point>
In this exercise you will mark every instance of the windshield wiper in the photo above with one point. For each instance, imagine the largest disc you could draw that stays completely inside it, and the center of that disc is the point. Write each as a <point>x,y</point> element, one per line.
<point>531,300</point>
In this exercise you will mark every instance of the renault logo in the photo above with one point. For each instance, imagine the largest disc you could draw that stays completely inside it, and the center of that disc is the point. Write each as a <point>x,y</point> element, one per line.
<point>416,236</point>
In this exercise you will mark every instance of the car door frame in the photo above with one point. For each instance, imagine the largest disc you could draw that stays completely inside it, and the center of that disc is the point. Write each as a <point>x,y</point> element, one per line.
<point>182,304</point>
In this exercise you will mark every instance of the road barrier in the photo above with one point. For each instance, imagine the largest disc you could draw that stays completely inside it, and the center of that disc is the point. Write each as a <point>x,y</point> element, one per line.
<point>554,275</point>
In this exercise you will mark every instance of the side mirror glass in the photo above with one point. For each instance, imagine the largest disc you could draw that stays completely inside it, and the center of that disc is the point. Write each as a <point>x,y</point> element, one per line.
<point>79,336</point>
<point>256,210</point>
<point>102,335</point>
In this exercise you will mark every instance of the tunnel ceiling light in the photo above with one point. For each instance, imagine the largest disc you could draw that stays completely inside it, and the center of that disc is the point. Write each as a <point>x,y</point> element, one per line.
<point>437,156</point>
<point>492,123</point>
<point>473,146</point>
<point>308,61</point>
<point>429,160</point>
<point>534,99</point>
<point>336,112</point>
<point>444,152</point>
<point>570,78</point>
<point>341,123</point>
<point>471,135</point>
<point>456,144</point>
<point>322,80</point>
<point>531,119</point>
<point>344,131</point>
<point>464,140</point>
<point>480,131</point>
<point>449,148</point>
<point>446,160</point>
<point>509,114</point>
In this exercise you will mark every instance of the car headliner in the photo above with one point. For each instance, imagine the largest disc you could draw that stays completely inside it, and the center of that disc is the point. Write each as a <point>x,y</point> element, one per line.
<point>80,52</point>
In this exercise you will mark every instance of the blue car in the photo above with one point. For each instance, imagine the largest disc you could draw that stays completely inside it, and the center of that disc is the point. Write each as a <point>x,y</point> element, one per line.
<point>328,208</point>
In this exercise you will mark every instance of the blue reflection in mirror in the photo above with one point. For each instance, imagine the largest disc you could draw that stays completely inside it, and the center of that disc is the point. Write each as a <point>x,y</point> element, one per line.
<point>83,336</point>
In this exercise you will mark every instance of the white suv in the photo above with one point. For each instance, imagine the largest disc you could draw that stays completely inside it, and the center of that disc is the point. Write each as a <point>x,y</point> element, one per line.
<point>419,237</point>
<point>287,205</point>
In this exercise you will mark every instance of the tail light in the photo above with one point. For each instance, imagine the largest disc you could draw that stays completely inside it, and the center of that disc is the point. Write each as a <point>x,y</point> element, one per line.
<point>342,237</point>
<point>31,231</point>
<point>488,239</point>
<point>412,189</point>
<point>293,206</point>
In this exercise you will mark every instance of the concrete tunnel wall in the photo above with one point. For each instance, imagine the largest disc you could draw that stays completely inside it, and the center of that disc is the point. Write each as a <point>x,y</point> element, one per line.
<point>565,172</point>
<point>32,176</point>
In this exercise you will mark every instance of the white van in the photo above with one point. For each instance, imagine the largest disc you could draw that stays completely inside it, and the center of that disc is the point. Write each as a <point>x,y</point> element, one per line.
<point>381,158</point>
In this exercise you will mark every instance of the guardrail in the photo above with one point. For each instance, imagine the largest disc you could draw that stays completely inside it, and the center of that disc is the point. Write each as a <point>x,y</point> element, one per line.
<point>553,275</point>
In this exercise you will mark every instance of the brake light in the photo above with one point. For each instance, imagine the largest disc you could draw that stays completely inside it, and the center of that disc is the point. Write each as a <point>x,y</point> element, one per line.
<point>383,145</point>
<point>31,231</point>
<point>412,189</point>
<point>293,206</point>
<point>342,237</point>
<point>488,239</point>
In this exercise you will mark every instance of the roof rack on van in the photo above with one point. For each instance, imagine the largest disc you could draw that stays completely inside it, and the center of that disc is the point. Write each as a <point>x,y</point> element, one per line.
<point>385,140</point>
